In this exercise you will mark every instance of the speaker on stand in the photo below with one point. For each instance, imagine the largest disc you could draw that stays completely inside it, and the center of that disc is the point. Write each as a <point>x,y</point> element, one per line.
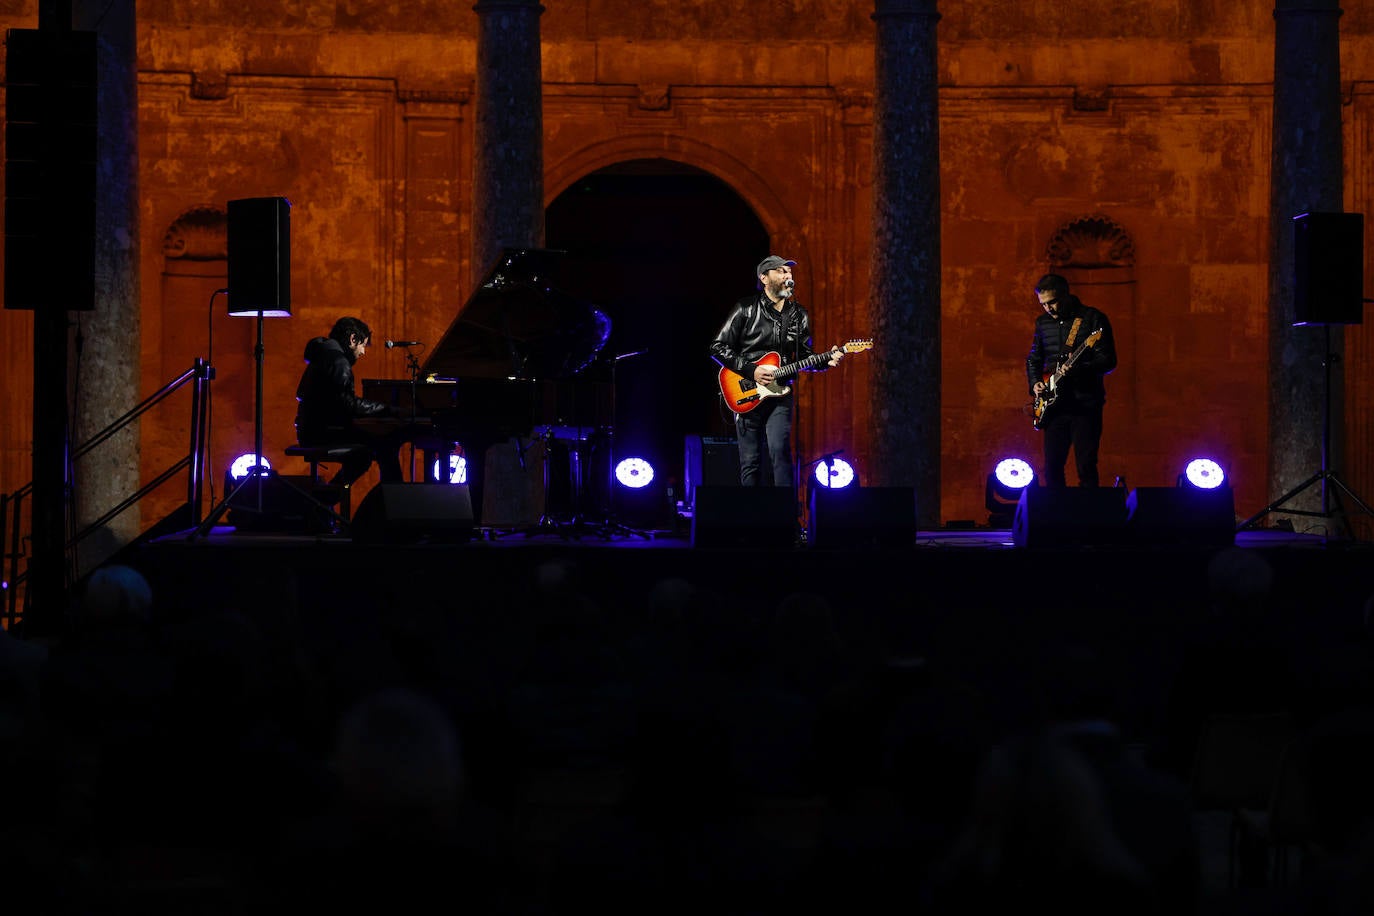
<point>259,243</point>
<point>1328,288</point>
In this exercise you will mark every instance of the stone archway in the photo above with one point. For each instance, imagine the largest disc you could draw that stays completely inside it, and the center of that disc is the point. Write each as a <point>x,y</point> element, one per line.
<point>764,198</point>
<point>665,249</point>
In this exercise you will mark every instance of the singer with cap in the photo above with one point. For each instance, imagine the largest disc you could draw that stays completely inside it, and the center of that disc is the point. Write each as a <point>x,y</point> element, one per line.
<point>767,321</point>
<point>327,405</point>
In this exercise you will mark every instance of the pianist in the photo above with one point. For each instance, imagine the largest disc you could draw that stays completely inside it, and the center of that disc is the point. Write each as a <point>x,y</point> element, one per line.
<point>328,408</point>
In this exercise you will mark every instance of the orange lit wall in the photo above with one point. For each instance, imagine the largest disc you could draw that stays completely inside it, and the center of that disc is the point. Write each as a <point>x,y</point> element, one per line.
<point>1135,136</point>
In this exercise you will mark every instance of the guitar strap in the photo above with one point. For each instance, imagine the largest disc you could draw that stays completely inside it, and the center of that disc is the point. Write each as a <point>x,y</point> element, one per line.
<point>1073,332</point>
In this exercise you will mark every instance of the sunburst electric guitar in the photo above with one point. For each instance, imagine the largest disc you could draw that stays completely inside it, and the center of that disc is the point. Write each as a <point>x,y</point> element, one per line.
<point>744,394</point>
<point>1046,398</point>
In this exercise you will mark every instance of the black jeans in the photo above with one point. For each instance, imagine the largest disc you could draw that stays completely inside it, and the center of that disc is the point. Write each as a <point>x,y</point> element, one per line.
<point>1077,427</point>
<point>766,431</point>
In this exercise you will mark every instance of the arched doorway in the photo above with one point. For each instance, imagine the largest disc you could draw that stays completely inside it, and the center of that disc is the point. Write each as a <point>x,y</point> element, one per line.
<point>664,250</point>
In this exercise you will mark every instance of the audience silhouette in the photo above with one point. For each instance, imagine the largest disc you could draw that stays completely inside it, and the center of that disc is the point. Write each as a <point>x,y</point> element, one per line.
<point>552,750</point>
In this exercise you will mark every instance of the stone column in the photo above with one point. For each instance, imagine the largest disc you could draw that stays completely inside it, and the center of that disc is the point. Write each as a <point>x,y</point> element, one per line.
<point>109,380</point>
<point>508,155</point>
<point>904,285</point>
<point>1305,175</point>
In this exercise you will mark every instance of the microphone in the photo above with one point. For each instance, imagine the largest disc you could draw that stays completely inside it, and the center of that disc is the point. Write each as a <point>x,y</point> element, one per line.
<point>789,283</point>
<point>403,343</point>
<point>787,288</point>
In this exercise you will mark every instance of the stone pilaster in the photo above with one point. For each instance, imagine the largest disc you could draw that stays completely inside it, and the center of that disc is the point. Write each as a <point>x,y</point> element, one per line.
<point>904,290</point>
<point>508,155</point>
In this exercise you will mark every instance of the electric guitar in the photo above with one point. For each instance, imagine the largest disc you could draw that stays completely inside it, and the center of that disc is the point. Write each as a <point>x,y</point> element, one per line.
<point>744,394</point>
<point>1046,398</point>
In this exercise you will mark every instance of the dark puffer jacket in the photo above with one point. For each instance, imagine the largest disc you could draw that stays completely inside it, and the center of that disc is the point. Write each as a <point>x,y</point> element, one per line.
<point>1050,345</point>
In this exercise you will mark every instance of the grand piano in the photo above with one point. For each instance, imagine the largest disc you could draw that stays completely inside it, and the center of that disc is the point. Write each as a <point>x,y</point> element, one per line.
<point>519,361</point>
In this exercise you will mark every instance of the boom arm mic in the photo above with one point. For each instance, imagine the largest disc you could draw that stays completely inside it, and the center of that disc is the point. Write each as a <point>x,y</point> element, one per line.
<point>403,343</point>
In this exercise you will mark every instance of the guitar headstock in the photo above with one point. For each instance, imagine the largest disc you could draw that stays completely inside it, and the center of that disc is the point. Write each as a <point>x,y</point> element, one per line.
<point>1093,338</point>
<point>857,346</point>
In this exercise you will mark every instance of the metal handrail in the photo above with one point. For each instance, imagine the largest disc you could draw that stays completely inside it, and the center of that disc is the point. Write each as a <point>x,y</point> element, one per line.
<point>200,374</point>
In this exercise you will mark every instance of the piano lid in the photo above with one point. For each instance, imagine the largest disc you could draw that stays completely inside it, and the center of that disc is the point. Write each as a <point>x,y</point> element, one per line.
<point>517,324</point>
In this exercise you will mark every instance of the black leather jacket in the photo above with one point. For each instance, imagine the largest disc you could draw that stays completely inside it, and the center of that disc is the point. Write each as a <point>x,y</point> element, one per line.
<point>326,402</point>
<point>1083,383</point>
<point>754,328</point>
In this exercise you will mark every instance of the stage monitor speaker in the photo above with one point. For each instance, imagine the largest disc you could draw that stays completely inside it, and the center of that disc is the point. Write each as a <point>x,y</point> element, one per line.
<point>862,517</point>
<point>709,461</point>
<point>1184,516</point>
<point>406,513</point>
<point>259,247</point>
<point>1070,517</point>
<point>735,516</point>
<point>279,502</point>
<point>1328,268</point>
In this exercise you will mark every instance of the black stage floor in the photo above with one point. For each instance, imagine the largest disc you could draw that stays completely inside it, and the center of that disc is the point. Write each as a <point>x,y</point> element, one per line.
<point>975,567</point>
<point>968,602</point>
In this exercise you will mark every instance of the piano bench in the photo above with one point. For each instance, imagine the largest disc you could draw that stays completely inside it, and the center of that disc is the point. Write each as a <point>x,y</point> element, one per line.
<point>316,455</point>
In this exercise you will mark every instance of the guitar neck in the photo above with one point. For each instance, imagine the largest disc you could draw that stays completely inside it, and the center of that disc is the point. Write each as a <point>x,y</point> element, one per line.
<point>814,359</point>
<point>1073,357</point>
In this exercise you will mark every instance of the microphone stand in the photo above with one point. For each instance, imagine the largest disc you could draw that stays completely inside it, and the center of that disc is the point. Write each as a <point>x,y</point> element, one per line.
<point>413,366</point>
<point>795,431</point>
<point>611,526</point>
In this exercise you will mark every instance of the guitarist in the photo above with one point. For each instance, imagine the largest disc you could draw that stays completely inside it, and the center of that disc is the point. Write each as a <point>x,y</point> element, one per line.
<point>768,321</point>
<point>1074,417</point>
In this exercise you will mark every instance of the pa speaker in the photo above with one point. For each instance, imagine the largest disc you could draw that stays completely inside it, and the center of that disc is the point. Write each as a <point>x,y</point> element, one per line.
<point>1328,268</point>
<point>398,513</point>
<point>1070,517</point>
<point>1182,515</point>
<point>259,246</point>
<point>744,517</point>
<point>862,517</point>
<point>50,169</point>
<point>709,461</point>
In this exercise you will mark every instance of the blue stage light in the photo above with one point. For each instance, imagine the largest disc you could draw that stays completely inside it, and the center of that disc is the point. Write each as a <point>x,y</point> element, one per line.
<point>1014,474</point>
<point>836,473</point>
<point>1203,473</point>
<point>243,464</point>
<point>634,473</point>
<point>1002,492</point>
<point>457,469</point>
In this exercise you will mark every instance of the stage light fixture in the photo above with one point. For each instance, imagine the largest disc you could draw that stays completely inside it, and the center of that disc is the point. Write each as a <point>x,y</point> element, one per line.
<point>245,463</point>
<point>836,473</point>
<point>1002,493</point>
<point>1202,473</point>
<point>457,469</point>
<point>634,473</point>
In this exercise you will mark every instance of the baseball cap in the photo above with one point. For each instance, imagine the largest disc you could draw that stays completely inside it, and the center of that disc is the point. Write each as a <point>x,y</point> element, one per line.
<point>773,262</point>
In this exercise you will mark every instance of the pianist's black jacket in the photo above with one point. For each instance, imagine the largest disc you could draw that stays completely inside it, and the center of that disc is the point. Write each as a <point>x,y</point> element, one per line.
<point>326,402</point>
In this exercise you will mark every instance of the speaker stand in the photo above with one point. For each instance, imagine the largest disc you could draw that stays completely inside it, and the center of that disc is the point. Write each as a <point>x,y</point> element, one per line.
<point>1331,485</point>
<point>260,472</point>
